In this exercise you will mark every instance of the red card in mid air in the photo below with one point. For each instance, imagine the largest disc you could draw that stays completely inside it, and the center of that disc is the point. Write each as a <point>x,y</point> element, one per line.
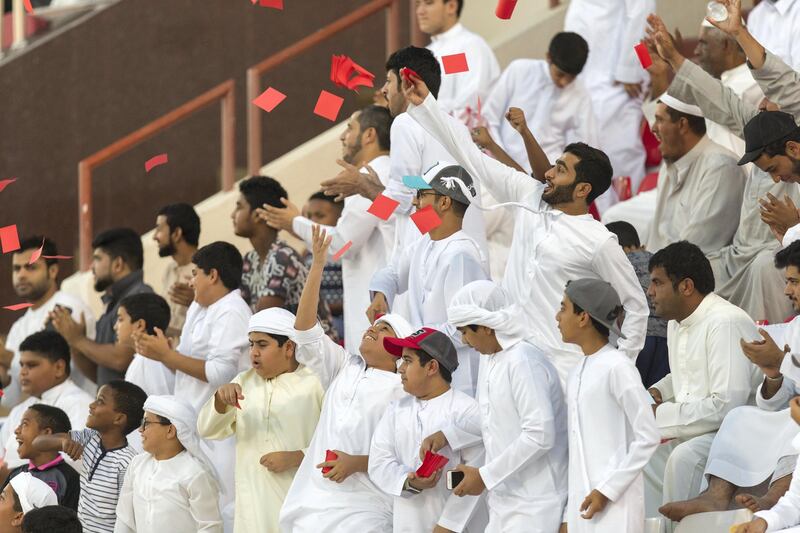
<point>9,238</point>
<point>453,64</point>
<point>328,105</point>
<point>383,207</point>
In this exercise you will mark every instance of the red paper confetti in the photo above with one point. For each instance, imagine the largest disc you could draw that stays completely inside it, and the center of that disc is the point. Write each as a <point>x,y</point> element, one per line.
<point>36,254</point>
<point>28,6</point>
<point>453,64</point>
<point>383,207</point>
<point>155,161</point>
<point>269,99</point>
<point>338,255</point>
<point>5,183</point>
<point>57,256</point>
<point>9,238</point>
<point>505,8</point>
<point>644,55</point>
<point>426,219</point>
<point>17,307</point>
<point>274,4</point>
<point>342,70</point>
<point>328,105</point>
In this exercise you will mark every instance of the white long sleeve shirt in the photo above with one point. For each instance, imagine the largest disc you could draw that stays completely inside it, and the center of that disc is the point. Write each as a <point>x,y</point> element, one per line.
<point>699,199</point>
<point>549,248</point>
<point>372,240</point>
<point>177,493</point>
<point>556,116</point>
<point>462,90</point>
<point>431,272</point>
<point>776,25</point>
<point>152,376</point>
<point>524,428</point>
<point>790,387</point>
<point>218,335</point>
<point>612,435</point>
<point>786,513</point>
<point>356,396</point>
<point>394,454</point>
<point>709,373</point>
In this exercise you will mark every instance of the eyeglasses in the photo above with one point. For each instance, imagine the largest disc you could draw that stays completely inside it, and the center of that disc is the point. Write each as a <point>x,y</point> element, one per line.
<point>423,192</point>
<point>146,422</point>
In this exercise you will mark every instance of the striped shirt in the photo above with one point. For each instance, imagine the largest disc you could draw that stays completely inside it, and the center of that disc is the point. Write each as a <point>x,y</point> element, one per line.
<point>101,481</point>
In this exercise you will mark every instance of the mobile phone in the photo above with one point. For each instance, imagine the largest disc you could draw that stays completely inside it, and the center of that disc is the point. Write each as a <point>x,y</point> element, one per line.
<point>454,477</point>
<point>48,326</point>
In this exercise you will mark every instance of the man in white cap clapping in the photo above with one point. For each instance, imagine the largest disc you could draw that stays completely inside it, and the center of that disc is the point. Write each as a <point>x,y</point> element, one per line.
<point>22,494</point>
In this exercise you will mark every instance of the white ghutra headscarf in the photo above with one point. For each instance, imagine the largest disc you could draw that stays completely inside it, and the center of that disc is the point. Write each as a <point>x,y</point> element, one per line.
<point>484,303</point>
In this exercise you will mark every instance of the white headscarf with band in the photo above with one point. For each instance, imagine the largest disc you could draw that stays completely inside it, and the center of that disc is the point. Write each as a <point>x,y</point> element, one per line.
<point>184,418</point>
<point>400,325</point>
<point>32,493</point>
<point>484,303</point>
<point>273,321</point>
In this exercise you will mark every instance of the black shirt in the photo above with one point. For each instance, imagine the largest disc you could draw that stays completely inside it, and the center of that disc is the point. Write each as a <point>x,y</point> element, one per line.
<point>61,477</point>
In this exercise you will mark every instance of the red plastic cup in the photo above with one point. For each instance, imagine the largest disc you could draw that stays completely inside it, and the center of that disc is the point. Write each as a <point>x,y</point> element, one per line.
<point>505,8</point>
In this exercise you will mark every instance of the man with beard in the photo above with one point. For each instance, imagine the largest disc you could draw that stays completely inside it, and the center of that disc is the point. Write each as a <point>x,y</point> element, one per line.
<point>117,269</point>
<point>177,234</point>
<point>365,148</point>
<point>37,283</point>
<point>699,184</point>
<point>555,237</point>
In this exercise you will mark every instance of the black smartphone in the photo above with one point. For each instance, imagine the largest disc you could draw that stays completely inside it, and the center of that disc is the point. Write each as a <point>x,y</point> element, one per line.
<point>48,326</point>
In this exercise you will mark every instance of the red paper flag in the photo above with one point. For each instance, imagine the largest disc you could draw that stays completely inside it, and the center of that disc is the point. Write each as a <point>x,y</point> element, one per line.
<point>644,55</point>
<point>505,8</point>
<point>328,105</point>
<point>9,238</point>
<point>57,256</point>
<point>338,255</point>
<point>274,4</point>
<point>6,183</point>
<point>453,64</point>
<point>383,207</point>
<point>329,456</point>
<point>269,99</point>
<point>28,6</point>
<point>36,254</point>
<point>17,307</point>
<point>342,70</point>
<point>426,219</point>
<point>155,161</point>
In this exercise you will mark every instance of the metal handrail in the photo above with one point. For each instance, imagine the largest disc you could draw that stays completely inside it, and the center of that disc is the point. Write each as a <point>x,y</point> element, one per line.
<point>254,73</point>
<point>225,92</point>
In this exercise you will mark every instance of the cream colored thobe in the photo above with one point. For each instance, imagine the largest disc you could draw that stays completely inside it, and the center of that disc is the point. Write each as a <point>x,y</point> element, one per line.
<point>276,415</point>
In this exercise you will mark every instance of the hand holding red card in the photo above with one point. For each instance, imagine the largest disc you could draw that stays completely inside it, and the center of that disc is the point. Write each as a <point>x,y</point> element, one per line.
<point>644,55</point>
<point>431,463</point>
<point>329,456</point>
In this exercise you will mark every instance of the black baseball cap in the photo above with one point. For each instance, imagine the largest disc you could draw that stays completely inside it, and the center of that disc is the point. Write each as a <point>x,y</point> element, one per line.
<point>764,129</point>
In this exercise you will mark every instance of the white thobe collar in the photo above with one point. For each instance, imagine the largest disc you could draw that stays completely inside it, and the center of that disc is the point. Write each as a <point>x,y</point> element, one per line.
<point>740,73</point>
<point>51,395</point>
<point>781,6</point>
<point>222,302</point>
<point>680,168</point>
<point>449,35</point>
<point>699,313</point>
<point>445,396</point>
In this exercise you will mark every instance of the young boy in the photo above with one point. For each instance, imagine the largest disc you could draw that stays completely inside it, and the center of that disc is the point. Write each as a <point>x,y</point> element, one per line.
<point>434,267</point>
<point>116,412</point>
<point>51,518</point>
<point>424,503</point>
<point>22,495</point>
<point>358,388</point>
<point>653,360</point>
<point>44,375</point>
<point>612,428</point>
<point>277,388</point>
<point>173,479</point>
<point>50,467</point>
<point>144,313</point>
<point>523,417</point>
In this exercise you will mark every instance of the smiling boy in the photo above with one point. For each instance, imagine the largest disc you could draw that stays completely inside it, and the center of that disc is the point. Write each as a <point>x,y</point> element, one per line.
<point>272,410</point>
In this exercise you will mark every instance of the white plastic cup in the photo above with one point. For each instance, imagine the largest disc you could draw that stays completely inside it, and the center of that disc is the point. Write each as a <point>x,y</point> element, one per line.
<point>716,12</point>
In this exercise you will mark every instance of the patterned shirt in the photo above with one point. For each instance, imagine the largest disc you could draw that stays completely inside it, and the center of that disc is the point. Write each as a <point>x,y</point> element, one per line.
<point>656,327</point>
<point>101,481</point>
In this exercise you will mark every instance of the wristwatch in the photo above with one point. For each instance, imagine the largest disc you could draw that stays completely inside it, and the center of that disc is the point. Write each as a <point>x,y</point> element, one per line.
<point>408,488</point>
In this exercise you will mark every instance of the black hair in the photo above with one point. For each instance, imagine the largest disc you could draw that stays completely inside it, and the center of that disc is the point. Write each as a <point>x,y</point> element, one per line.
<point>50,519</point>
<point>129,400</point>
<point>33,243</point>
<point>150,307</point>
<point>789,256</point>
<point>625,232</point>
<point>260,190</point>
<point>225,259</point>
<point>458,208</point>
<point>17,504</point>
<point>121,242</point>
<point>48,344</point>
<point>696,124</point>
<point>779,147</point>
<point>568,51</point>
<point>684,260</point>
<point>424,359</point>
<point>593,168</point>
<point>319,195</point>
<point>51,418</point>
<point>182,216</point>
<point>379,118</point>
<point>420,60</point>
<point>601,329</point>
